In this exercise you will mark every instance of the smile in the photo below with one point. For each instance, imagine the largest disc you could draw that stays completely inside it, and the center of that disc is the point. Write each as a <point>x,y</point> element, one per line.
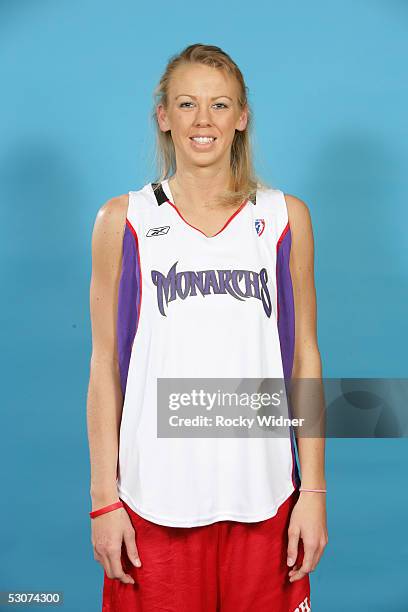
<point>203,140</point>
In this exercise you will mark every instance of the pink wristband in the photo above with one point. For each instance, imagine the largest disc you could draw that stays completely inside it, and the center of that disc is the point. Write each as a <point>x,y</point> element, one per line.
<point>314,490</point>
<point>109,508</point>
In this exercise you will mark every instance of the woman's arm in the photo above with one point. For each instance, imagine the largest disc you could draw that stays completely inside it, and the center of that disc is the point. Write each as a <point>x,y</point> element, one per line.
<point>105,401</point>
<point>307,361</point>
<point>309,519</point>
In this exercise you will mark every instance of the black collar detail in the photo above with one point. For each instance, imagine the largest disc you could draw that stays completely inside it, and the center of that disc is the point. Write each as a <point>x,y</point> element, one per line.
<point>161,196</point>
<point>159,193</point>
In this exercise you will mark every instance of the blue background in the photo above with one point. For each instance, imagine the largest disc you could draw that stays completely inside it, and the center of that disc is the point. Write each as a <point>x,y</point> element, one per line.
<point>328,88</point>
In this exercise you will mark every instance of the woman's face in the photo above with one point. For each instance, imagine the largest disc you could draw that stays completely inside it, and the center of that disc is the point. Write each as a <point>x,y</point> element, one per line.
<point>202,101</point>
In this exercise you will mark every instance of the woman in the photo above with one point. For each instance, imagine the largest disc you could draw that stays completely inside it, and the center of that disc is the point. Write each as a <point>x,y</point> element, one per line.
<point>191,279</point>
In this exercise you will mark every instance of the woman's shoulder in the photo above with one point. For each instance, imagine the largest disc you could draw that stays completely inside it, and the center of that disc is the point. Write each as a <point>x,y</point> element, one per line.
<point>110,223</point>
<point>112,212</point>
<point>300,223</point>
<point>298,212</point>
<point>115,206</point>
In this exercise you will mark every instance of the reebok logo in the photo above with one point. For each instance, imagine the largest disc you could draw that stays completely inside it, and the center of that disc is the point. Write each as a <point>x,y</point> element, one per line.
<point>158,231</point>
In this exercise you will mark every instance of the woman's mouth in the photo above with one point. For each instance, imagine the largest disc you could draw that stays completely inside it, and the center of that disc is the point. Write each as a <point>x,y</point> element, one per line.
<point>203,142</point>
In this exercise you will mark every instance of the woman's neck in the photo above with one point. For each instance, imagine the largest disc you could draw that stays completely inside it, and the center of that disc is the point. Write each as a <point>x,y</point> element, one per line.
<point>201,192</point>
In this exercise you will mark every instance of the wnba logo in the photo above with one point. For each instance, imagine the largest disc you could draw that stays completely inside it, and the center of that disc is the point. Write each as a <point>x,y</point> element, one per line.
<point>185,284</point>
<point>259,226</point>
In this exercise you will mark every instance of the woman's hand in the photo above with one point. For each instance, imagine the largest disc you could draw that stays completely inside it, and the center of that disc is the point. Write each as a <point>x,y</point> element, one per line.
<point>109,530</point>
<point>307,521</point>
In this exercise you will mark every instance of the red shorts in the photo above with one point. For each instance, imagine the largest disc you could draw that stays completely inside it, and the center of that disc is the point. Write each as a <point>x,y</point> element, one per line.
<point>227,566</point>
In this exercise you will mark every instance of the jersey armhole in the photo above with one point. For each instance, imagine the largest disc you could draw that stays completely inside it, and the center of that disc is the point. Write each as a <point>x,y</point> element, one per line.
<point>129,297</point>
<point>284,289</point>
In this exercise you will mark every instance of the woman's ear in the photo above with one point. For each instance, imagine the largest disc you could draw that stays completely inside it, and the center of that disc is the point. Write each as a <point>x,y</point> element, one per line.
<point>243,120</point>
<point>162,118</point>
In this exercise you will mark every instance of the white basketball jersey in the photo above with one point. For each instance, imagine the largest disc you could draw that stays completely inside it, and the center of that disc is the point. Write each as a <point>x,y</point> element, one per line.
<point>193,306</point>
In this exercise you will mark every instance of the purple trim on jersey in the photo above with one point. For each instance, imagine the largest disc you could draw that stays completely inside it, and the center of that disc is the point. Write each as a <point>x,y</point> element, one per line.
<point>286,308</point>
<point>295,468</point>
<point>128,302</point>
<point>286,322</point>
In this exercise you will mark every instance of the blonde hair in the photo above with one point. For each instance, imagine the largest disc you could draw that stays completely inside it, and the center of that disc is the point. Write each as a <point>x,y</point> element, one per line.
<point>244,179</point>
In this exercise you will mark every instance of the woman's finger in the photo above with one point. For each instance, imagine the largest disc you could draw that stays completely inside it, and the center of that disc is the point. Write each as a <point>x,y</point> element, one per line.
<point>308,563</point>
<point>293,537</point>
<point>129,538</point>
<point>120,574</point>
<point>113,566</point>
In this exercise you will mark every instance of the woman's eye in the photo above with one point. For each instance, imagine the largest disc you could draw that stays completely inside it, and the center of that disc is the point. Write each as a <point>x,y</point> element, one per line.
<point>216,104</point>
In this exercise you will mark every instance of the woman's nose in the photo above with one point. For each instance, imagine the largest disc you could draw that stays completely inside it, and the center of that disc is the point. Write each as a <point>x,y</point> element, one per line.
<point>203,116</point>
